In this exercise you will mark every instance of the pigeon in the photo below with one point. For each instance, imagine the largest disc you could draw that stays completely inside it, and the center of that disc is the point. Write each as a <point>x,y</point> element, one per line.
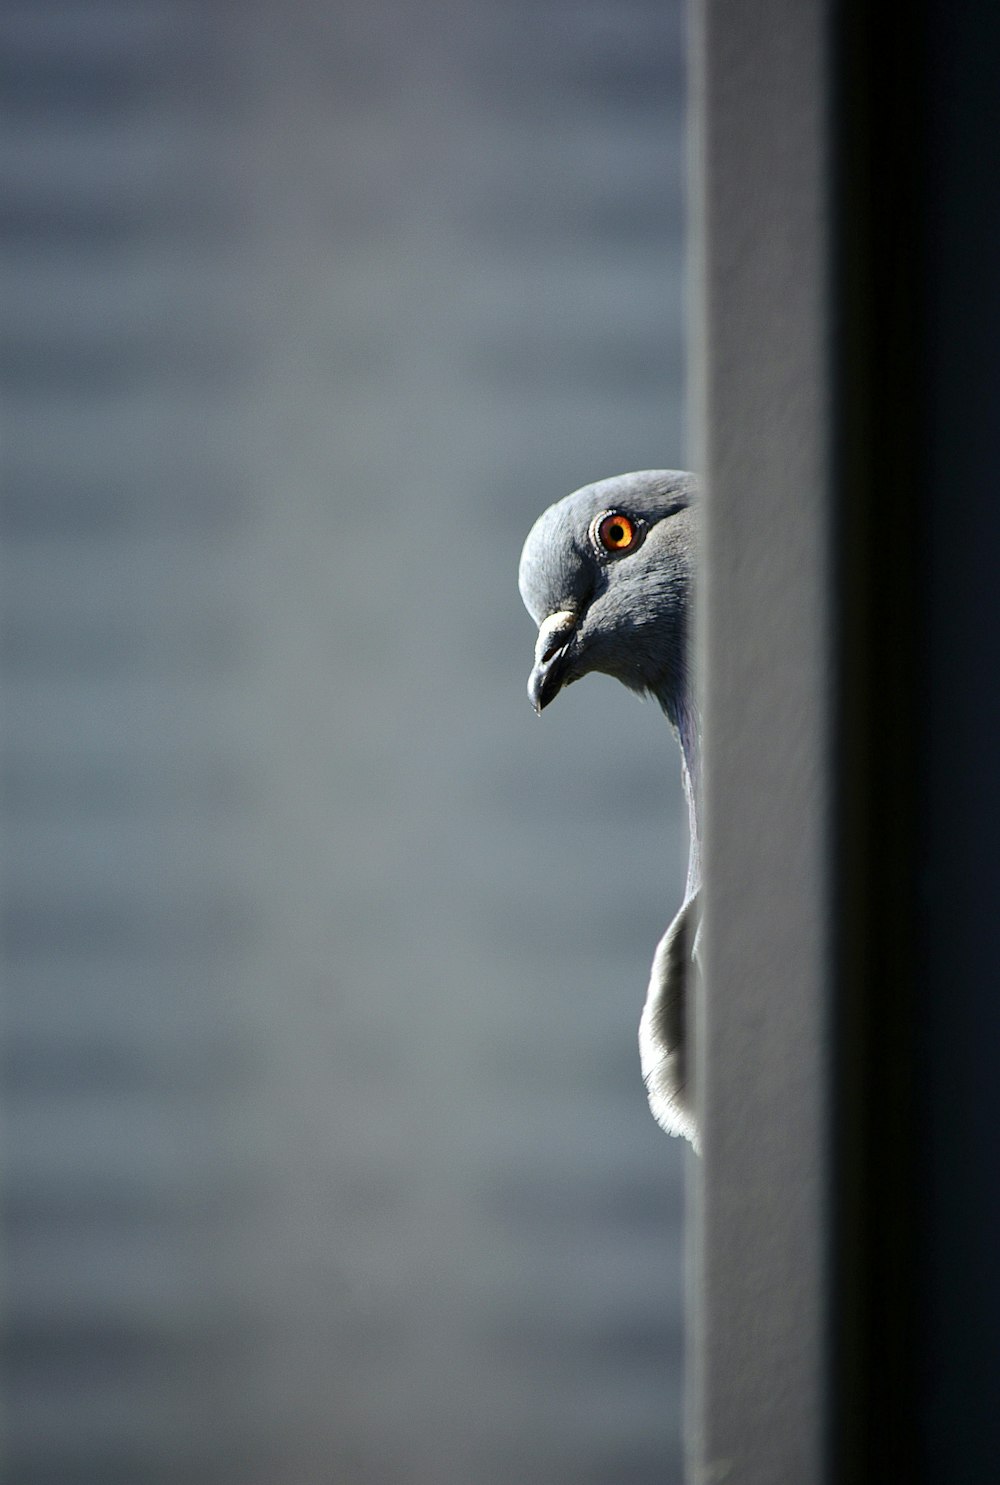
<point>607,575</point>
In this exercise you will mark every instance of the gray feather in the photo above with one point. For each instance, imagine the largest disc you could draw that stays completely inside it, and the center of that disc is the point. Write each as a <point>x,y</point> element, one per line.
<point>626,613</point>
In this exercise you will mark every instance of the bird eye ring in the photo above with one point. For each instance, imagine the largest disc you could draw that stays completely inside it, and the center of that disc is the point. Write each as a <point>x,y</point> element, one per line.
<point>615,533</point>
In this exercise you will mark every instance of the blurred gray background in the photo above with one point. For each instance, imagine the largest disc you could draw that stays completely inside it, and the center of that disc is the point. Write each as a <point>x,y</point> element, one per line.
<point>327,1159</point>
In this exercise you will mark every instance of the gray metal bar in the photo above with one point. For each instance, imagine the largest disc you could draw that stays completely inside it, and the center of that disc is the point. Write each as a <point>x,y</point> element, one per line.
<point>848,354</point>
<point>764,393</point>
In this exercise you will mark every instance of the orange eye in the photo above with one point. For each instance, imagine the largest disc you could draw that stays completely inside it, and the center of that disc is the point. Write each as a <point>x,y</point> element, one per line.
<point>615,532</point>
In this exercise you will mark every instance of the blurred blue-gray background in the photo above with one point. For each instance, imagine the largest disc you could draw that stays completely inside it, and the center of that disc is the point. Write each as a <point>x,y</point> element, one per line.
<point>326,1155</point>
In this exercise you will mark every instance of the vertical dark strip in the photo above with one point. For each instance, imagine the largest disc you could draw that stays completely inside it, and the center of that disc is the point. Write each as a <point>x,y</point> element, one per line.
<point>878,470</point>
<point>959,966</point>
<point>918,1111</point>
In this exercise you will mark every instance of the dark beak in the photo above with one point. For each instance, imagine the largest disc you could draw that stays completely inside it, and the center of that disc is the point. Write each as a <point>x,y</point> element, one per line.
<point>552,662</point>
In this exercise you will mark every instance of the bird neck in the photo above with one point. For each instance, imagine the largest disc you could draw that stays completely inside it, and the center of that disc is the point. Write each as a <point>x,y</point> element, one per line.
<point>686,723</point>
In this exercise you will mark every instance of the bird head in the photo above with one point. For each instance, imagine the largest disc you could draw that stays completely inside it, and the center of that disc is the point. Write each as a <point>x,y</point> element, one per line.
<point>606,574</point>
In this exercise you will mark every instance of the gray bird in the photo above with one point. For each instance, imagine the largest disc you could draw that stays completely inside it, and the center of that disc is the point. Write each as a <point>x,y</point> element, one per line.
<point>607,576</point>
